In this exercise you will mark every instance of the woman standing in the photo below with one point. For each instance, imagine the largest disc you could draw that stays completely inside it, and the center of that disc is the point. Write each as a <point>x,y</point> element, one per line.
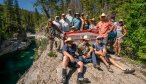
<point>86,23</point>
<point>121,32</point>
<point>92,23</point>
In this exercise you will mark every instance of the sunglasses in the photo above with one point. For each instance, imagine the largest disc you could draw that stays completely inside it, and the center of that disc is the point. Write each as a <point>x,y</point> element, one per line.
<point>99,39</point>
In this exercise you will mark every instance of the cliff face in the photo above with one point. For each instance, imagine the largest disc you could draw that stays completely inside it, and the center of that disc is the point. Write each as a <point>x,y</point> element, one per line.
<point>47,70</point>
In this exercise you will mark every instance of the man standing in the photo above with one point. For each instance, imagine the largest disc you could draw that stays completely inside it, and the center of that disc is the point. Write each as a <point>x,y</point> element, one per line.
<point>69,17</point>
<point>64,23</point>
<point>52,33</point>
<point>58,35</point>
<point>104,27</point>
<point>57,23</point>
<point>77,21</point>
<point>71,58</point>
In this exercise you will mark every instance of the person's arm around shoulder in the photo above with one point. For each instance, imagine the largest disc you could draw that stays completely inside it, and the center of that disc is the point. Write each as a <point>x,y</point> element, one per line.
<point>111,27</point>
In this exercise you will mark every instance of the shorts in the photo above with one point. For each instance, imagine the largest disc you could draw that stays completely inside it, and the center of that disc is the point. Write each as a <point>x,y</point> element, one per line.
<point>70,64</point>
<point>119,40</point>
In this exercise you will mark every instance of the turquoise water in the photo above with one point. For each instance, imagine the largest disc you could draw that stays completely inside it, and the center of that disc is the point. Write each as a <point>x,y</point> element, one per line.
<point>13,65</point>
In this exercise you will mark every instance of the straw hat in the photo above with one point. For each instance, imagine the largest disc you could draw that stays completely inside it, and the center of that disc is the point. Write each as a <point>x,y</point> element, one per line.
<point>93,19</point>
<point>69,39</point>
<point>98,37</point>
<point>69,10</point>
<point>77,13</point>
<point>63,14</point>
<point>103,14</point>
<point>86,37</point>
<point>121,20</point>
<point>49,20</point>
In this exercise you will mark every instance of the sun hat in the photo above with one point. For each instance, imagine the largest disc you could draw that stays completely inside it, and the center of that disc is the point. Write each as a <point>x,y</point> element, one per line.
<point>77,13</point>
<point>62,14</point>
<point>69,39</point>
<point>121,20</point>
<point>98,37</point>
<point>103,14</point>
<point>86,37</point>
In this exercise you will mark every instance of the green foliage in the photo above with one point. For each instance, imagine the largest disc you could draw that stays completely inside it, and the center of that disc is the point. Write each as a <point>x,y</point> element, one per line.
<point>52,54</point>
<point>15,20</point>
<point>43,44</point>
<point>134,15</point>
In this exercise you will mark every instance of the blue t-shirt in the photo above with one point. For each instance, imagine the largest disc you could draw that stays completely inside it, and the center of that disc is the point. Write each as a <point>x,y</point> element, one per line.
<point>77,23</point>
<point>71,50</point>
<point>99,47</point>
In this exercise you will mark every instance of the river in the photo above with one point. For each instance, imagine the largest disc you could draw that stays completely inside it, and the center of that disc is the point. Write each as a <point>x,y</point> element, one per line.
<point>13,65</point>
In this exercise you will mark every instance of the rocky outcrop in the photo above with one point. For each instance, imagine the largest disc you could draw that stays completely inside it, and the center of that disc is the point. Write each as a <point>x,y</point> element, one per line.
<point>47,70</point>
<point>12,45</point>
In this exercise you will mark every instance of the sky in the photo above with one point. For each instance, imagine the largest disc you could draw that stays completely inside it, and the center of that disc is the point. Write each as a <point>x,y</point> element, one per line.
<point>25,4</point>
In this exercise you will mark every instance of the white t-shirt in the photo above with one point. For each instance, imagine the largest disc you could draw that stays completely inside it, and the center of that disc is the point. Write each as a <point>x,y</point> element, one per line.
<point>58,24</point>
<point>65,25</point>
<point>70,18</point>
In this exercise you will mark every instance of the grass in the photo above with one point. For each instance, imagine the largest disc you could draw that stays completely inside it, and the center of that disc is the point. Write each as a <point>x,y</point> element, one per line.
<point>143,72</point>
<point>52,54</point>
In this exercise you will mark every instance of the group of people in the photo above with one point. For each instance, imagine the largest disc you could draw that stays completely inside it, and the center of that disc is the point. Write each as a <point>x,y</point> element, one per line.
<point>75,55</point>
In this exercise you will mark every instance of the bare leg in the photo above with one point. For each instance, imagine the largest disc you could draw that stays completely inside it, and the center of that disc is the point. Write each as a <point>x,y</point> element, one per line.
<point>119,48</point>
<point>51,44</point>
<point>115,47</point>
<point>80,69</point>
<point>116,64</point>
<point>104,60</point>
<point>65,62</point>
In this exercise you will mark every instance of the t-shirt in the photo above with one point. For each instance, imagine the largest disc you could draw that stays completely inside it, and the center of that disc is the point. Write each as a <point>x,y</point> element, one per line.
<point>65,25</point>
<point>103,28</point>
<point>70,18</point>
<point>99,46</point>
<point>71,50</point>
<point>77,23</point>
<point>84,49</point>
<point>58,24</point>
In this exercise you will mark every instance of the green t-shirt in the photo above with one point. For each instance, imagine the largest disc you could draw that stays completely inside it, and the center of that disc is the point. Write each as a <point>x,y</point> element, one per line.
<point>84,48</point>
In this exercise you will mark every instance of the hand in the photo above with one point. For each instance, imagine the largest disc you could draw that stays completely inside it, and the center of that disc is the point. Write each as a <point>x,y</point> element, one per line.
<point>108,32</point>
<point>84,57</point>
<point>88,55</point>
<point>72,59</point>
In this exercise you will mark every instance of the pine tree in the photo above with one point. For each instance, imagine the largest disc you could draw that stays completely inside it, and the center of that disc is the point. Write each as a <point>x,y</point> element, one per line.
<point>17,15</point>
<point>9,18</point>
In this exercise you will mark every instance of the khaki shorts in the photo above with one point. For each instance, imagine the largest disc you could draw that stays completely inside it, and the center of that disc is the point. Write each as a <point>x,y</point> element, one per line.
<point>119,40</point>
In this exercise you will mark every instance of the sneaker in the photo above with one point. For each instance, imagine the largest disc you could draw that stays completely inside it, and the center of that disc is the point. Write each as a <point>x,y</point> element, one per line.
<point>96,66</point>
<point>109,69</point>
<point>83,80</point>
<point>127,71</point>
<point>63,80</point>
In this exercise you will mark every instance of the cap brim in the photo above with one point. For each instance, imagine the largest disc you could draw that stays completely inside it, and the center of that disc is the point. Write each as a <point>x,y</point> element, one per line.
<point>69,41</point>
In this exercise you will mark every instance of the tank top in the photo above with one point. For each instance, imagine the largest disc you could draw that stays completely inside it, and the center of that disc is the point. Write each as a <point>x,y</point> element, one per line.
<point>119,31</point>
<point>86,26</point>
